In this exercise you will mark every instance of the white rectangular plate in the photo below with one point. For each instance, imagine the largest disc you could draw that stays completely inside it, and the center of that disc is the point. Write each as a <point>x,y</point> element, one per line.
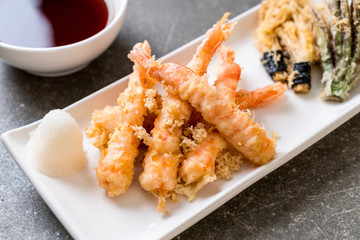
<point>88,213</point>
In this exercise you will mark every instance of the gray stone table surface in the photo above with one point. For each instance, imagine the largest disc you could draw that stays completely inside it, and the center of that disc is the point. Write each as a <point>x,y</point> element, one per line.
<point>314,196</point>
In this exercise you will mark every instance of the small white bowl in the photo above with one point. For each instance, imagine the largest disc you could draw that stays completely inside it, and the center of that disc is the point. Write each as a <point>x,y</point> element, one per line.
<point>63,60</point>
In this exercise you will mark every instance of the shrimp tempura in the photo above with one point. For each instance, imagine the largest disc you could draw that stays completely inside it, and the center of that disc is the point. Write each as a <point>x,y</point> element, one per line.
<point>116,166</point>
<point>236,126</point>
<point>103,123</point>
<point>228,73</point>
<point>161,162</point>
<point>198,167</point>
<point>199,164</point>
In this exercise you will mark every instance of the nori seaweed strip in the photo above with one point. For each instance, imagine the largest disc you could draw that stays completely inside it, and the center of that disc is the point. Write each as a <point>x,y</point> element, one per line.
<point>273,61</point>
<point>297,46</point>
<point>304,54</point>
<point>266,39</point>
<point>302,74</point>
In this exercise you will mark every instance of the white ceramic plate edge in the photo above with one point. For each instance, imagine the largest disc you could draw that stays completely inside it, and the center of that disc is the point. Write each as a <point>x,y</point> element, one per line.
<point>224,196</point>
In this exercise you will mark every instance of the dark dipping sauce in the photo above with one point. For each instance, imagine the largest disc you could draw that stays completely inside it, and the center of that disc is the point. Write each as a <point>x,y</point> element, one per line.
<point>50,23</point>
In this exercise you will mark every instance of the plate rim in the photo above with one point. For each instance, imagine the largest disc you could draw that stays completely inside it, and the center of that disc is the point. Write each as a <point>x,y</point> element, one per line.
<point>260,172</point>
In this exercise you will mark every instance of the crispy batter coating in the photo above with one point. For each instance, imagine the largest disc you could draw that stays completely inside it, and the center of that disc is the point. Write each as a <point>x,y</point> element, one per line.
<point>201,161</point>
<point>161,162</point>
<point>116,166</point>
<point>103,123</point>
<point>198,167</point>
<point>236,126</point>
<point>228,73</point>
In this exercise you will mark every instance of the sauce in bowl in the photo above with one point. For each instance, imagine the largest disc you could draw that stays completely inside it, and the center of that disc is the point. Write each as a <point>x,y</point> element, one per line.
<point>50,23</point>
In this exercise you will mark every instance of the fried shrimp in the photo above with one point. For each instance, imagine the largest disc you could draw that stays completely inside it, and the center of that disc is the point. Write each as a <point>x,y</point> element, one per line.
<point>103,123</point>
<point>161,162</point>
<point>116,166</point>
<point>199,164</point>
<point>260,97</point>
<point>228,73</point>
<point>242,132</point>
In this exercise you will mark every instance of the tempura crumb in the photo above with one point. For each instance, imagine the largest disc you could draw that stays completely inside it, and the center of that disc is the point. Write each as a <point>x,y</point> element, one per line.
<point>226,163</point>
<point>198,133</point>
<point>150,101</point>
<point>161,196</point>
<point>141,133</point>
<point>187,145</point>
<point>190,190</point>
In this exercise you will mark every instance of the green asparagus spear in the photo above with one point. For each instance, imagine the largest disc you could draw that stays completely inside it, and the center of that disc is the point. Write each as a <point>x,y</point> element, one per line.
<point>355,79</point>
<point>346,74</point>
<point>347,43</point>
<point>334,6</point>
<point>326,55</point>
<point>351,77</point>
<point>356,58</point>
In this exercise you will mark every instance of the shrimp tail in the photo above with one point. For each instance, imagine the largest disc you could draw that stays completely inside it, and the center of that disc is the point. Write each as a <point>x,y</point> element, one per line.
<point>260,97</point>
<point>273,92</point>
<point>142,58</point>
<point>228,73</point>
<point>228,27</point>
<point>144,45</point>
<point>162,197</point>
<point>227,54</point>
<point>219,33</point>
<point>162,202</point>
